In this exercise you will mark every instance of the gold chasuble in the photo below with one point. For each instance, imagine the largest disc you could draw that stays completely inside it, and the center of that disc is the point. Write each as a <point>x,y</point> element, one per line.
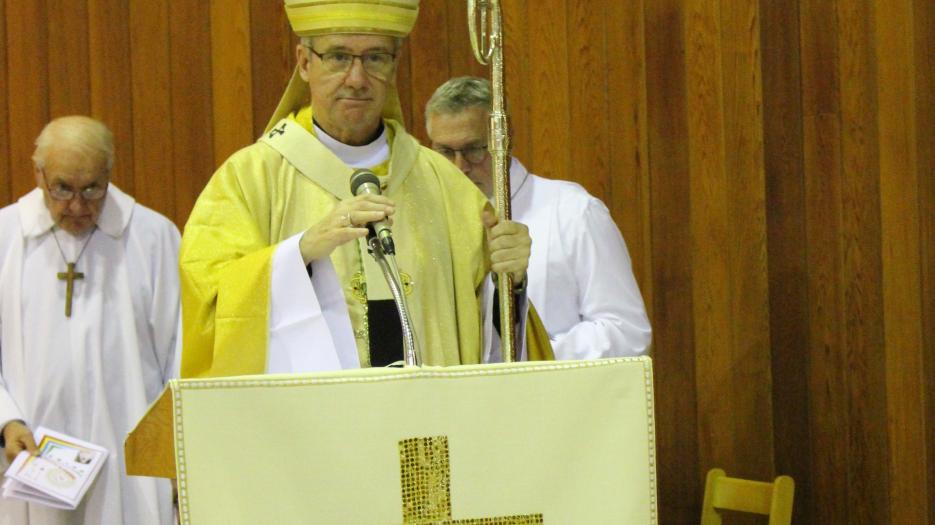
<point>280,187</point>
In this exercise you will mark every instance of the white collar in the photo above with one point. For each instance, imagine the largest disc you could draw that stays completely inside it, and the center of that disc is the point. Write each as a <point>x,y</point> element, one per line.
<point>35,219</point>
<point>519,175</point>
<point>366,156</point>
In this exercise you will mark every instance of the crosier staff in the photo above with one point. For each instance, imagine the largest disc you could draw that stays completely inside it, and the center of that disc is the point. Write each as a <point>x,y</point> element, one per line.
<point>488,49</point>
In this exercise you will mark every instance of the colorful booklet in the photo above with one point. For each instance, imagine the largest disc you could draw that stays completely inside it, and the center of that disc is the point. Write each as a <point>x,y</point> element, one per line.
<point>59,475</point>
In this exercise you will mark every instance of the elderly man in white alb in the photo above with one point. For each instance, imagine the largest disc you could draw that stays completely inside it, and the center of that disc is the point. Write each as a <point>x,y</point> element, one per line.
<point>89,312</point>
<point>580,276</point>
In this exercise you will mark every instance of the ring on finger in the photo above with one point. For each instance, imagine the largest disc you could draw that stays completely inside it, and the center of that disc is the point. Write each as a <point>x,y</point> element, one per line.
<point>346,219</point>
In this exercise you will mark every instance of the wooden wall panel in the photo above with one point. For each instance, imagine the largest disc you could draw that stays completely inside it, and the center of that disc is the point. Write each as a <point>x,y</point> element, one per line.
<point>111,93</point>
<point>787,262</point>
<point>152,106</point>
<point>765,160</point>
<point>587,63</point>
<point>860,270</point>
<point>549,98</point>
<point>718,442</point>
<point>627,191</point>
<point>827,369</point>
<point>191,101</point>
<point>69,73</point>
<point>924,68</point>
<point>680,475</point>
<point>518,85</point>
<point>428,61</point>
<point>272,59</point>
<point>27,79</point>
<point>747,288</point>
<point>6,169</point>
<point>461,60</point>
<point>231,78</point>
<point>900,225</point>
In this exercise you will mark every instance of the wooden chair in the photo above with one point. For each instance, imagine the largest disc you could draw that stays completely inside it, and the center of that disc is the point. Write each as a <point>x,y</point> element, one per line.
<point>759,497</point>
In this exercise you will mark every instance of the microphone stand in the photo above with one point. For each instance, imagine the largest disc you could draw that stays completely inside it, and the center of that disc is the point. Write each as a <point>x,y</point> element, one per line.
<point>387,264</point>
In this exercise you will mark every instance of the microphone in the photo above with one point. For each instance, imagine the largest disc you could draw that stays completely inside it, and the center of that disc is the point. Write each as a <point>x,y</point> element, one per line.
<point>364,182</point>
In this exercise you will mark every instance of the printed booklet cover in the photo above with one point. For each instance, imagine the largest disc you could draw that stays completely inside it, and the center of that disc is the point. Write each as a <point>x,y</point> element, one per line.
<point>59,475</point>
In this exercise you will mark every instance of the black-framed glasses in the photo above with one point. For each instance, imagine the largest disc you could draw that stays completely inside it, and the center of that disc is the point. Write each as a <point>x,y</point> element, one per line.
<point>378,64</point>
<point>473,154</point>
<point>61,192</point>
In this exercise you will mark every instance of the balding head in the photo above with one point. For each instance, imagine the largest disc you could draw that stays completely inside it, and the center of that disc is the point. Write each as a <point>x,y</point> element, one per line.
<point>78,135</point>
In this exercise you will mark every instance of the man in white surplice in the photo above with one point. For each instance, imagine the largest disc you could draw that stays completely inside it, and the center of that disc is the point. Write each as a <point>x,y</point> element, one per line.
<point>580,278</point>
<point>86,362</point>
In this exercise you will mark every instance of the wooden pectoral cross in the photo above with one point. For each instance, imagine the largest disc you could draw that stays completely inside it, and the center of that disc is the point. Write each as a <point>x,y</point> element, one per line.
<point>69,276</point>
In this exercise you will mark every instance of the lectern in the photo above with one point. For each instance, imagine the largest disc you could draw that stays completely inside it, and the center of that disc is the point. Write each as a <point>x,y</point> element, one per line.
<point>521,443</point>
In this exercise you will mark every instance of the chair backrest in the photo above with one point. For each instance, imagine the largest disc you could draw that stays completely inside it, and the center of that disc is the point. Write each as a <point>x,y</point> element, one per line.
<point>758,497</point>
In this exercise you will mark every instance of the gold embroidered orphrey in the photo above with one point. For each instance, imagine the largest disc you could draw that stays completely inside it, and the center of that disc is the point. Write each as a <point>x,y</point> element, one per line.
<point>425,476</point>
<point>359,285</point>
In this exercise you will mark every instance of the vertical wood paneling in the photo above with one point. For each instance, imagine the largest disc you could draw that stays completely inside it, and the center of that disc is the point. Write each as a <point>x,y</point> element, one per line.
<point>902,313</point>
<point>861,271</point>
<point>708,184</point>
<point>461,60</point>
<point>27,78</point>
<point>680,475</point>
<point>924,68</point>
<point>827,368</point>
<point>587,61</point>
<point>69,69</point>
<point>828,379</point>
<point>628,191</point>
<point>6,170</point>
<point>152,106</point>
<point>788,288</point>
<point>549,98</point>
<point>272,59</point>
<point>111,71</point>
<point>192,136</point>
<point>518,88</point>
<point>231,77</point>
<point>746,189</point>
<point>428,54</point>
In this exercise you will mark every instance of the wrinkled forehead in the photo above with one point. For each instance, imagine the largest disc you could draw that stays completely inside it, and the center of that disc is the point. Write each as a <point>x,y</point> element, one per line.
<point>356,43</point>
<point>74,168</point>
<point>456,130</point>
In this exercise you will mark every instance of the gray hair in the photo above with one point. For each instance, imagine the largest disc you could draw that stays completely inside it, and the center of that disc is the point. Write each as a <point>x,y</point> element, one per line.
<point>83,135</point>
<point>459,94</point>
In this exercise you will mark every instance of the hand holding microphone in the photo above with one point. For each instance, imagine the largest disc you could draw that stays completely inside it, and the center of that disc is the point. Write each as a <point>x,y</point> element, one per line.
<point>345,223</point>
<point>364,182</point>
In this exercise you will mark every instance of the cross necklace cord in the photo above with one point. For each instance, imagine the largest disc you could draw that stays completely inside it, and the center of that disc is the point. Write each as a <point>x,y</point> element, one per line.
<point>70,274</point>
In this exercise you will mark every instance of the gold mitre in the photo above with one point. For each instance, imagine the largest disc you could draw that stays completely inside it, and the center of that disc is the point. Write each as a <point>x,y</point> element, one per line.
<point>378,17</point>
<point>328,17</point>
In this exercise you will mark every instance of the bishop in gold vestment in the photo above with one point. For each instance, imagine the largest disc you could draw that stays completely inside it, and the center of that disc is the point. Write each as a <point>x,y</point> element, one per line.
<point>282,206</point>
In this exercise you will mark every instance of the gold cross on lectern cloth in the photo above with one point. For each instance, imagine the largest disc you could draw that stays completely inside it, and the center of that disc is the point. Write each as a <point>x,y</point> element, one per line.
<point>425,474</point>
<point>69,277</point>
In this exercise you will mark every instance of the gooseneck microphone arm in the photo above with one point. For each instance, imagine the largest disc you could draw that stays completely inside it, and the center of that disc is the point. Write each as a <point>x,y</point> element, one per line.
<point>387,264</point>
<point>383,251</point>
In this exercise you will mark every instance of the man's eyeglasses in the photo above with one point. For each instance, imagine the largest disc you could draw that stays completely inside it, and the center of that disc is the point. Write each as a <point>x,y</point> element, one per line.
<point>472,154</point>
<point>378,64</point>
<point>60,192</point>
